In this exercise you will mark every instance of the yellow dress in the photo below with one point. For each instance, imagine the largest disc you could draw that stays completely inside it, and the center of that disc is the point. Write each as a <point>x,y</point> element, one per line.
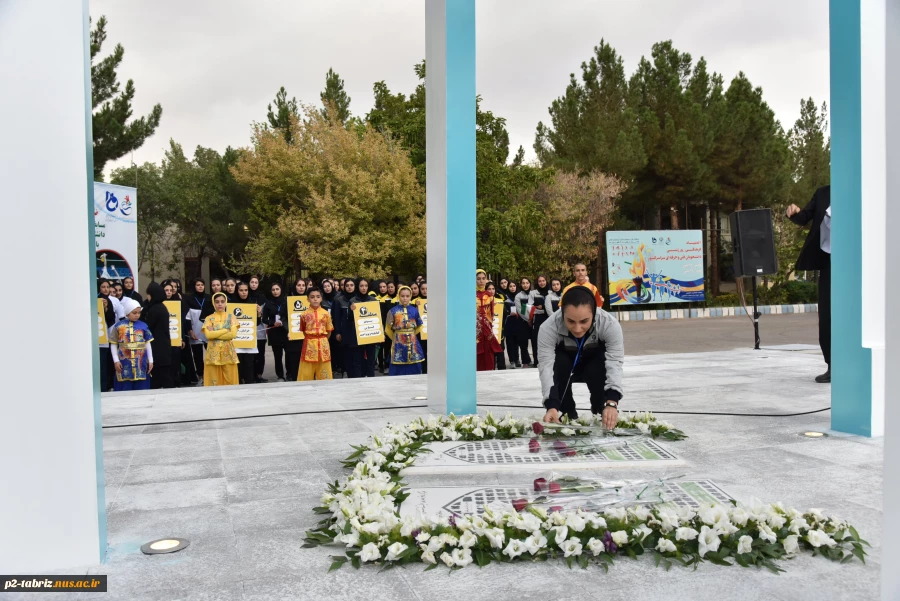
<point>221,362</point>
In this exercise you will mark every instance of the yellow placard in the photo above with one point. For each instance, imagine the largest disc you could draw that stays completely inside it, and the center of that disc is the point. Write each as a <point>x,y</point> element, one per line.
<point>498,319</point>
<point>367,317</point>
<point>174,308</point>
<point>297,306</point>
<point>102,326</point>
<point>422,306</point>
<point>245,313</point>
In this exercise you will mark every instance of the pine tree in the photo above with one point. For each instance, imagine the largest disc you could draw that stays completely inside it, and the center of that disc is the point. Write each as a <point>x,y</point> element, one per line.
<point>335,98</point>
<point>280,118</point>
<point>114,136</point>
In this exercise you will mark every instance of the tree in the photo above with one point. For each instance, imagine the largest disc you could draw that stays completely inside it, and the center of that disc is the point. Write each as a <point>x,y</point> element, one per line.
<point>351,203</point>
<point>157,234</point>
<point>114,136</point>
<point>335,99</point>
<point>280,118</point>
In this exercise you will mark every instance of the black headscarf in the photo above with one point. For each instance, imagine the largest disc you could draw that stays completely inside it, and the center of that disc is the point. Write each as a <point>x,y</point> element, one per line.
<point>156,316</point>
<point>542,290</point>
<point>155,294</point>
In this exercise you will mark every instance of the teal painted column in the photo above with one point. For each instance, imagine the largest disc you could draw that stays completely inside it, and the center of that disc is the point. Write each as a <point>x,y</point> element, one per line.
<point>450,207</point>
<point>851,364</point>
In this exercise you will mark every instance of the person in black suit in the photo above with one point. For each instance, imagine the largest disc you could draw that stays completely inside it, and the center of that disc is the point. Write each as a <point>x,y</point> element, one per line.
<point>816,255</point>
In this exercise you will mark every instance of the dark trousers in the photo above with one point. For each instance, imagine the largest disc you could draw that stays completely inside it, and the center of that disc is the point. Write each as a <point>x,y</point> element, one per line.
<point>292,362</point>
<point>278,352</point>
<point>384,355</point>
<point>825,310</point>
<point>424,344</point>
<point>518,339</point>
<point>260,363</point>
<point>175,367</point>
<point>247,368</point>
<point>590,370</point>
<point>353,360</point>
<point>368,365</point>
<point>538,320</point>
<point>161,377</point>
<point>107,369</point>
<point>195,367</point>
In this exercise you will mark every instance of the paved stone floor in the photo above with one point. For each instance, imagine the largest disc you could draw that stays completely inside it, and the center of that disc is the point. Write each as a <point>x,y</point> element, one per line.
<point>241,489</point>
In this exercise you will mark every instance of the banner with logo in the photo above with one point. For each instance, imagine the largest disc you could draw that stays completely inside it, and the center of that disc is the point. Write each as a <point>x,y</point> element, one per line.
<point>174,308</point>
<point>115,232</point>
<point>655,267</point>
<point>422,305</point>
<point>102,326</point>
<point>245,313</point>
<point>297,306</point>
<point>367,317</point>
<point>498,319</point>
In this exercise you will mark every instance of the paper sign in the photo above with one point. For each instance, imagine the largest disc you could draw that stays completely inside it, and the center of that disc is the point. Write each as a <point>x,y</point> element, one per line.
<point>245,313</point>
<point>297,306</point>
<point>422,306</point>
<point>498,319</point>
<point>102,326</point>
<point>367,317</point>
<point>174,308</point>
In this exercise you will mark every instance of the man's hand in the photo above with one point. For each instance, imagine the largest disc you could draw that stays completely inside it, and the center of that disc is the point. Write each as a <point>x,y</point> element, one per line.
<point>552,416</point>
<point>792,210</point>
<point>610,417</point>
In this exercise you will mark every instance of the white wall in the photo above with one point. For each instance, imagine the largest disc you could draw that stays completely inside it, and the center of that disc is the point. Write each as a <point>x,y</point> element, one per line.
<point>52,510</point>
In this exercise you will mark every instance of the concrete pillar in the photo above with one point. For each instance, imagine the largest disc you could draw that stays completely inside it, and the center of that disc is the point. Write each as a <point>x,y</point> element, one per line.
<point>52,505</point>
<point>890,558</point>
<point>450,146</point>
<point>852,409</point>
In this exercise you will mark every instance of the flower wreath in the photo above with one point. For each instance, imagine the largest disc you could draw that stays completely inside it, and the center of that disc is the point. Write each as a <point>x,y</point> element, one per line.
<point>363,514</point>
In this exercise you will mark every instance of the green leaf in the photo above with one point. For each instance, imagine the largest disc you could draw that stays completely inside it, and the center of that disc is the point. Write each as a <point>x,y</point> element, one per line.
<point>337,563</point>
<point>356,562</point>
<point>430,567</point>
<point>858,552</point>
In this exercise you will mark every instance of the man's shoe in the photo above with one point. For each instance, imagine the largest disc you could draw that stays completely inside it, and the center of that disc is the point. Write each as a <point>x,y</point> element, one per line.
<point>261,380</point>
<point>824,378</point>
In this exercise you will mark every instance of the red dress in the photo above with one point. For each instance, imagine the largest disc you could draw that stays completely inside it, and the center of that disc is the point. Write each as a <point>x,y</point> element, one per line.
<point>485,340</point>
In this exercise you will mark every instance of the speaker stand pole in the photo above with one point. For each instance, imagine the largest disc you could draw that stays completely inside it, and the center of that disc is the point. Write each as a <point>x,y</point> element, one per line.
<point>755,315</point>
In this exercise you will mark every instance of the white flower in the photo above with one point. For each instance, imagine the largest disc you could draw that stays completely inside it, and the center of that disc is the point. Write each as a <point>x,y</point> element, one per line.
<point>596,546</point>
<point>726,528</point>
<point>462,557</point>
<point>791,544</point>
<point>514,548</point>
<point>572,547</point>
<point>449,540</point>
<point>435,544</point>
<point>666,546</point>
<point>478,432</point>
<point>766,533</point>
<point>513,431</point>
<point>562,534</point>
<point>597,522</point>
<point>668,520</point>
<point>685,534</point>
<point>395,550</point>
<point>351,540</point>
<point>468,540</point>
<point>777,521</point>
<point>448,559</point>
<point>399,457</point>
<point>709,540</point>
<point>641,512</point>
<point>567,432</point>
<point>616,513</point>
<point>370,552</point>
<point>463,523</point>
<point>491,430</point>
<point>739,516</point>
<point>576,522</point>
<point>558,518</point>
<point>817,538</point>
<point>712,514</point>
<point>496,537</point>
<point>798,524</point>
<point>641,532</point>
<point>620,537</point>
<point>644,428</point>
<point>745,544</point>
<point>428,556</point>
<point>535,543</point>
<point>423,537</point>
<point>817,513</point>
<point>371,528</point>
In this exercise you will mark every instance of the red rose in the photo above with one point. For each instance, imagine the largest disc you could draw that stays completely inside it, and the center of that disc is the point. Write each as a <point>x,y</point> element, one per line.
<point>569,452</point>
<point>519,504</point>
<point>556,508</point>
<point>560,445</point>
<point>537,427</point>
<point>540,485</point>
<point>534,446</point>
<point>555,488</point>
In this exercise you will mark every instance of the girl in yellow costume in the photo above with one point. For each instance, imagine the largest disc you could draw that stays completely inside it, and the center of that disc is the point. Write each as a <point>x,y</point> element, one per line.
<point>220,328</point>
<point>315,360</point>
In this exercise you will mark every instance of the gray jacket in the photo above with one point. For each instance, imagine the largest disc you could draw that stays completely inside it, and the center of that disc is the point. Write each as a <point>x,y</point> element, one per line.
<point>606,329</point>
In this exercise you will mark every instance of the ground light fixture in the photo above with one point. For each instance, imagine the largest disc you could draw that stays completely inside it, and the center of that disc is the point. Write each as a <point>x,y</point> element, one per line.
<point>420,398</point>
<point>164,545</point>
<point>812,434</point>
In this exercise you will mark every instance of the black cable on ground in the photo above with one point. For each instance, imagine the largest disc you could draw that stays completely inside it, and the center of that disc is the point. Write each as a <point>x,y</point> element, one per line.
<point>325,411</point>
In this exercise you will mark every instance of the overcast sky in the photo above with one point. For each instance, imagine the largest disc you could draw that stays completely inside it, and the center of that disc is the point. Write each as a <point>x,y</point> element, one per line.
<point>215,65</point>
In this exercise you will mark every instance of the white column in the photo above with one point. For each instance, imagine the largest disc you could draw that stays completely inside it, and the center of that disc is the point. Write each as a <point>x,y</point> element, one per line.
<point>890,558</point>
<point>52,507</point>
